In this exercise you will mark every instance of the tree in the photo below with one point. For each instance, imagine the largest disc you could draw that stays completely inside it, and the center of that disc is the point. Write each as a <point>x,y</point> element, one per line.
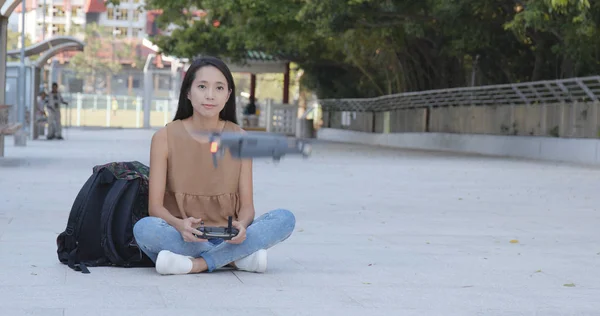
<point>364,48</point>
<point>13,41</point>
<point>563,29</point>
<point>100,59</point>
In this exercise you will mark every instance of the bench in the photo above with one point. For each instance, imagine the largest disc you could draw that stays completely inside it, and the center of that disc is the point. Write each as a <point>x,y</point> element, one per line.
<point>250,124</point>
<point>10,129</point>
<point>6,128</point>
<point>255,129</point>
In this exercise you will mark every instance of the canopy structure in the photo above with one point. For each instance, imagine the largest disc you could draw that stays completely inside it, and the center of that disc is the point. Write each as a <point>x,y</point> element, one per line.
<point>8,7</point>
<point>257,62</point>
<point>50,47</point>
<point>56,50</point>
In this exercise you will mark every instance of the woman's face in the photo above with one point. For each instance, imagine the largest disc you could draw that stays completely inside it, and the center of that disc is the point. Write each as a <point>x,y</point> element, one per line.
<point>209,91</point>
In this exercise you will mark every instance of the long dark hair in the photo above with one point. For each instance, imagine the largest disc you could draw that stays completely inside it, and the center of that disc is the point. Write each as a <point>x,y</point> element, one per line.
<point>185,108</point>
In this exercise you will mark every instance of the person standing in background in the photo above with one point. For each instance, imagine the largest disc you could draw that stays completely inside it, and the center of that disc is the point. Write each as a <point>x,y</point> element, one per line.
<point>55,99</point>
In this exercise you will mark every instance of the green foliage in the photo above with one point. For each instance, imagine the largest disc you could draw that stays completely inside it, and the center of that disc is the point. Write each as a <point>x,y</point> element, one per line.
<point>87,62</point>
<point>363,48</point>
<point>90,65</point>
<point>560,29</point>
<point>13,41</point>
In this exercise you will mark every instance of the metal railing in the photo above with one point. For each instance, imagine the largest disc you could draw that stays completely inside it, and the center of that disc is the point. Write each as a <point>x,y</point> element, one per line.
<point>571,90</point>
<point>127,112</point>
<point>113,111</point>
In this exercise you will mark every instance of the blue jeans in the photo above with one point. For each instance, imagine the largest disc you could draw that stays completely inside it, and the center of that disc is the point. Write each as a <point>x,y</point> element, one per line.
<point>153,234</point>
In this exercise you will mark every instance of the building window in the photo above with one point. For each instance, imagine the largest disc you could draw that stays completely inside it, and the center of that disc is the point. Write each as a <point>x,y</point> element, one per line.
<point>76,11</point>
<point>58,12</point>
<point>120,32</point>
<point>40,10</point>
<point>122,14</point>
<point>136,15</point>
<point>59,29</point>
<point>137,32</point>
<point>110,13</point>
<point>39,29</point>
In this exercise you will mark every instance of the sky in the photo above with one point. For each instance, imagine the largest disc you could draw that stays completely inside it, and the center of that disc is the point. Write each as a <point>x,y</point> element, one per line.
<point>13,22</point>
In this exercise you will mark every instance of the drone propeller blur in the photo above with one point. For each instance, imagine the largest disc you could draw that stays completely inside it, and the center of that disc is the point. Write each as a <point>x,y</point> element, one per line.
<point>256,145</point>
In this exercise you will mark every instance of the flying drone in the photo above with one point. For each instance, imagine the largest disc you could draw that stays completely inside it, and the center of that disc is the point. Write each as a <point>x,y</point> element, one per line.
<point>256,145</point>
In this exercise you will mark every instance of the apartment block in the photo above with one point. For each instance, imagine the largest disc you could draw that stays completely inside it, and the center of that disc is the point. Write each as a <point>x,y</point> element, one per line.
<point>46,18</point>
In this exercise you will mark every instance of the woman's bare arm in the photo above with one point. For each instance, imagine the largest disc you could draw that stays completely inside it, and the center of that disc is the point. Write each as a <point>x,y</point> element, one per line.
<point>158,178</point>
<point>247,212</point>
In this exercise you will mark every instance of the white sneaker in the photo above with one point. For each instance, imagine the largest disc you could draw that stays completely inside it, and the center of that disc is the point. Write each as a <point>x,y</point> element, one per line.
<point>172,263</point>
<point>256,262</point>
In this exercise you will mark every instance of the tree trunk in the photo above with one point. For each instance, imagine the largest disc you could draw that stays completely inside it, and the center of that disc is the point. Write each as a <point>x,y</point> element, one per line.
<point>566,68</point>
<point>538,65</point>
<point>457,78</point>
<point>93,81</point>
<point>108,83</point>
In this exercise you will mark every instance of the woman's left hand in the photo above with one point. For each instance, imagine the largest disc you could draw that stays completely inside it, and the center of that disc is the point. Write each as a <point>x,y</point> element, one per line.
<point>241,236</point>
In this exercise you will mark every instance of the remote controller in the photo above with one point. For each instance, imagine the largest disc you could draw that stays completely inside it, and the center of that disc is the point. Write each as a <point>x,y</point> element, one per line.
<point>225,233</point>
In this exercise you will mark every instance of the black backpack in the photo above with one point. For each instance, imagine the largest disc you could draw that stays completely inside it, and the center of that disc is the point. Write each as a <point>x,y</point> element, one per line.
<point>100,226</point>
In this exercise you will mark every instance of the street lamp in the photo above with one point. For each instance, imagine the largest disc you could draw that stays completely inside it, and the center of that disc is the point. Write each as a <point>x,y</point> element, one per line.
<point>44,22</point>
<point>20,136</point>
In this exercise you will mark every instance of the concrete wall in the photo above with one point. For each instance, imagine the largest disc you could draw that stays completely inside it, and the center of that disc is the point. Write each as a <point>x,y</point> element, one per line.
<point>573,150</point>
<point>576,120</point>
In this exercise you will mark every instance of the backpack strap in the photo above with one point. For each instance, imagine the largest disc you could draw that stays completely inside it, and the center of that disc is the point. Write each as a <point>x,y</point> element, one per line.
<point>81,201</point>
<point>67,252</point>
<point>78,207</point>
<point>106,220</point>
<point>75,264</point>
<point>71,233</point>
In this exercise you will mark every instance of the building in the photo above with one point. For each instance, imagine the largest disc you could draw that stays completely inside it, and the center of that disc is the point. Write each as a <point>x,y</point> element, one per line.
<point>46,18</point>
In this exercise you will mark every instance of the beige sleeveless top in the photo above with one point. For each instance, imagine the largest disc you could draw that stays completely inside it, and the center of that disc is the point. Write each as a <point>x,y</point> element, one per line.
<point>195,188</point>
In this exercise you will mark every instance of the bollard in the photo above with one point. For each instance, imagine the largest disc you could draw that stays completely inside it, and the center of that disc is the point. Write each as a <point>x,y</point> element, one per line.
<point>20,138</point>
<point>305,128</point>
<point>3,122</point>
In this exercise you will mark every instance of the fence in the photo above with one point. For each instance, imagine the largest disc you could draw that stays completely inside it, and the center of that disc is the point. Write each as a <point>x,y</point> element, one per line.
<point>112,111</point>
<point>127,112</point>
<point>559,108</point>
<point>272,117</point>
<point>281,118</point>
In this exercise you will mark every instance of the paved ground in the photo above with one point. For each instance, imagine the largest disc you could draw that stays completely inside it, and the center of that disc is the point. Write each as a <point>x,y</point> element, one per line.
<point>380,232</point>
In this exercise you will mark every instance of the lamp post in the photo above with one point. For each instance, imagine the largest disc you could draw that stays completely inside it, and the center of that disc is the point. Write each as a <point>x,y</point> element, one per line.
<point>20,136</point>
<point>148,76</point>
<point>44,22</point>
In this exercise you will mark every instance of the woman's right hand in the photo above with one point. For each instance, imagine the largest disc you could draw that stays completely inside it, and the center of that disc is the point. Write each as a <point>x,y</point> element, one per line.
<point>187,228</point>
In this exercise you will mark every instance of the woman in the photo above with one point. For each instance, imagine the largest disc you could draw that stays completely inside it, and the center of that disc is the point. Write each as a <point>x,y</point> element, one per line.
<point>186,190</point>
